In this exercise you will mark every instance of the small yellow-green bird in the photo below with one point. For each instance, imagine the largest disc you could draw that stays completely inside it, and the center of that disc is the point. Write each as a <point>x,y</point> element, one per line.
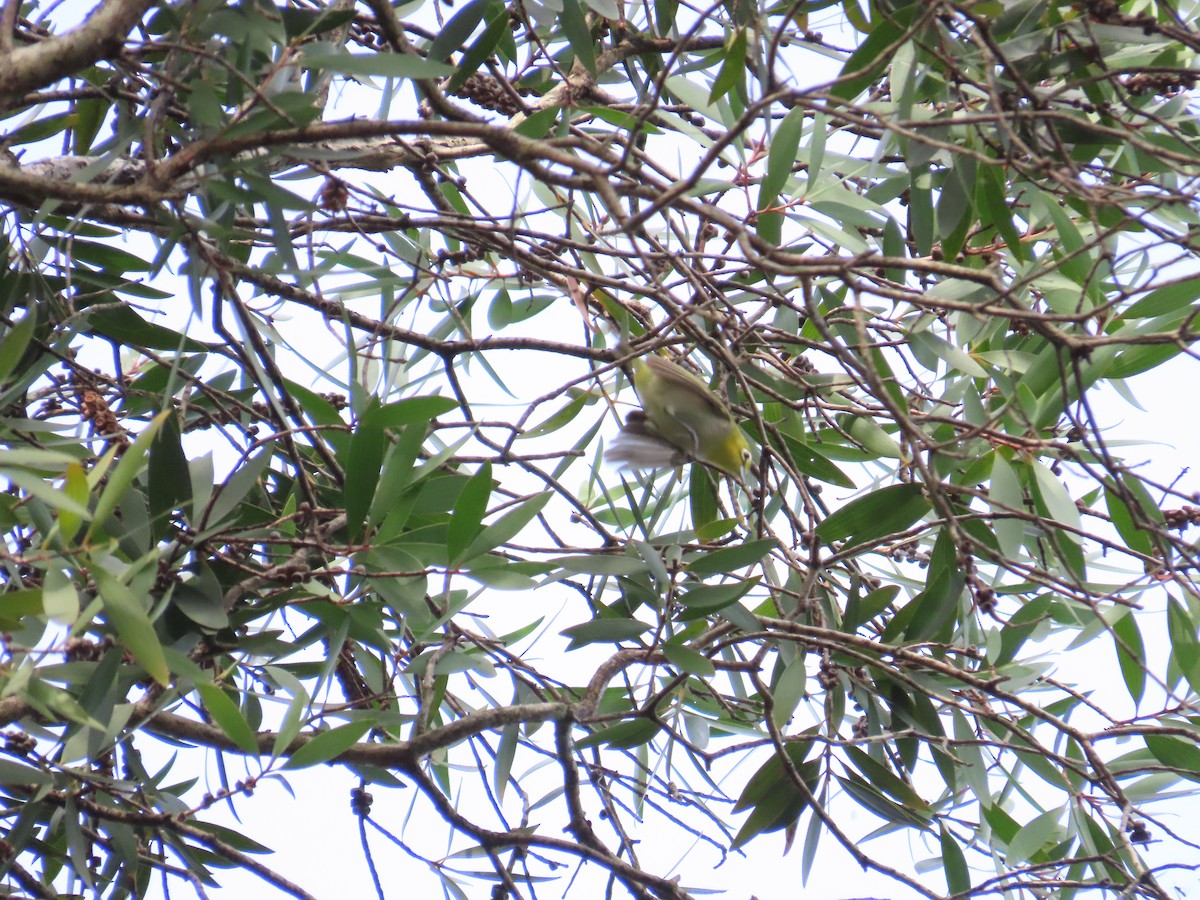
<point>680,419</point>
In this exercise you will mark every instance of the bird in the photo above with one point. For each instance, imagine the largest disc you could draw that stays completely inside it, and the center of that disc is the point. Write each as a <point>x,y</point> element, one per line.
<point>681,419</point>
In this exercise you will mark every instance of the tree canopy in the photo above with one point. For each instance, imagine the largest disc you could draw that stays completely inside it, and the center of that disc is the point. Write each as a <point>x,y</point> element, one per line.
<point>315,321</point>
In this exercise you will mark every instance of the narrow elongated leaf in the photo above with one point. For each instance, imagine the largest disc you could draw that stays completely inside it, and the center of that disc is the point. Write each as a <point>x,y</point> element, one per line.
<point>688,660</point>
<point>730,559</point>
<point>60,598</point>
<point>623,735</point>
<point>886,511</point>
<point>706,599</point>
<point>733,68</point>
<point>1134,537</point>
<point>12,346</point>
<point>867,63</point>
<point>507,526</point>
<point>605,631</point>
<point>954,863</point>
<point>329,744</point>
<point>813,464</point>
<point>170,482</point>
<point>1176,753</point>
<point>781,158</point>
<point>1131,655</point>
<point>329,58</point>
<point>227,716</point>
<point>451,35</point>
<point>578,34</point>
<point>466,520</point>
<point>1185,648</point>
<point>121,478</point>
<point>494,34</point>
<point>1034,835</point>
<point>240,483</point>
<point>1008,501</point>
<point>132,623</point>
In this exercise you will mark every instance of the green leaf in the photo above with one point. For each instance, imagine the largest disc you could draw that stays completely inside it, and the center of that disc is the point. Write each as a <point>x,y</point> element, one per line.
<point>289,726</point>
<point>132,624</point>
<point>1055,499</point>
<point>1176,753</point>
<point>300,23</point>
<point>955,358</point>
<point>871,798</point>
<point>362,462</point>
<point>604,631</point>
<point>1171,299</point>
<point>920,209</point>
<point>496,30</point>
<point>60,598</point>
<point>733,67</point>
<point>235,489</point>
<point>623,735</point>
<point>501,312</point>
<point>1020,626</point>
<point>702,498</point>
<point>466,520</point>
<point>954,864</point>
<point>812,840</point>
<point>600,564</point>
<point>329,744</point>
<point>1008,501</point>
<point>860,611</point>
<point>564,416</point>
<point>579,35</point>
<point>1035,835</point>
<point>14,344</point>
<point>1142,358</point>
<point>506,751</point>
<point>606,8</point>
<point>1135,539</point>
<point>706,599</point>
<point>121,478</point>
<point>788,691</point>
<point>887,511</point>
<point>664,15</point>
<point>507,526</point>
<point>321,412</point>
<point>410,411</point>
<point>811,463</point>
<point>227,716</point>
<point>991,200</point>
<point>15,773</point>
<point>15,605</point>
<point>170,482</point>
<point>932,614</point>
<point>330,58</point>
<point>688,660</point>
<point>201,599</point>
<point>956,202</point>
<point>774,800</point>
<point>1185,649</point>
<point>867,63</point>
<point>781,158</point>
<point>122,324</point>
<point>1131,654</point>
<point>45,696</point>
<point>453,34</point>
<point>730,559</point>
<point>886,780</point>
<point>75,489</point>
